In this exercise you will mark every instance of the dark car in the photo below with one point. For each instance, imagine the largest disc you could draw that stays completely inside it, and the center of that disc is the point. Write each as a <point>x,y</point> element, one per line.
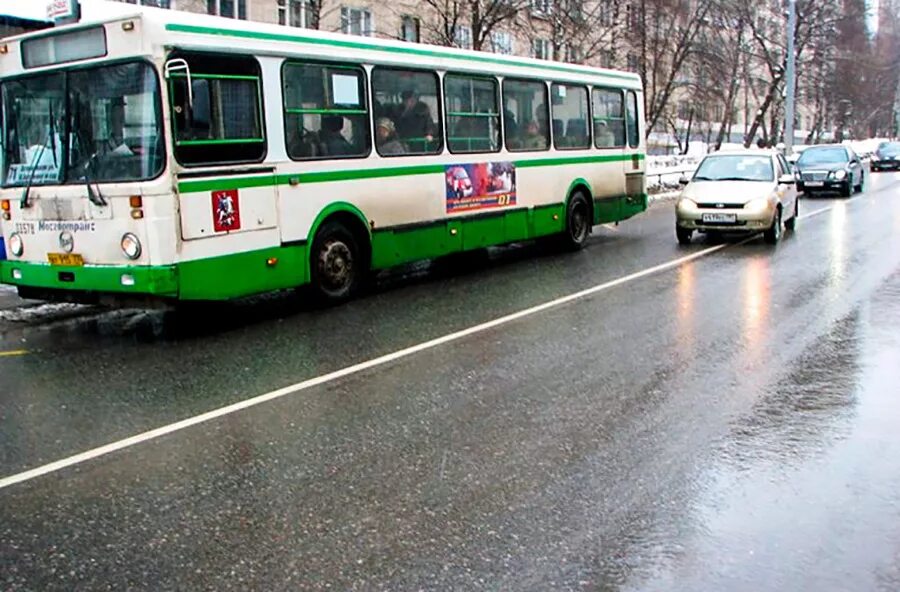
<point>829,168</point>
<point>887,157</point>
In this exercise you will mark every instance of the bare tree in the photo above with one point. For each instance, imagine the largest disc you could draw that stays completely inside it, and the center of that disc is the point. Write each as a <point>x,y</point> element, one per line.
<point>578,31</point>
<point>447,19</point>
<point>666,33</point>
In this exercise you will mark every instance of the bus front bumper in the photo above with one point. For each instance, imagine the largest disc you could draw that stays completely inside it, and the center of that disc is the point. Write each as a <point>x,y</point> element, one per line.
<point>39,278</point>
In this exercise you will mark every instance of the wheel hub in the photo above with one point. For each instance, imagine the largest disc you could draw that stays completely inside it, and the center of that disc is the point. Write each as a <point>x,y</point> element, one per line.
<point>336,265</point>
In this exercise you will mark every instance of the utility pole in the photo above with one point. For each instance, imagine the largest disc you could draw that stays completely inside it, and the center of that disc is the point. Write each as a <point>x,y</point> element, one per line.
<point>791,79</point>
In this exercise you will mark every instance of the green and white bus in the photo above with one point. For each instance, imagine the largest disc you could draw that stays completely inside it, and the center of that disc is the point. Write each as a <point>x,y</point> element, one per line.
<point>165,155</point>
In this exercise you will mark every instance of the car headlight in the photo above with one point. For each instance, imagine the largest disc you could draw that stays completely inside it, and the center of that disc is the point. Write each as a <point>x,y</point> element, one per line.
<point>16,244</point>
<point>840,175</point>
<point>686,202</point>
<point>760,204</point>
<point>131,246</point>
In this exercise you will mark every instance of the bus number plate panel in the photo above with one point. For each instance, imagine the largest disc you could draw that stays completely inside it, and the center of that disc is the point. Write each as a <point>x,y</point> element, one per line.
<point>66,259</point>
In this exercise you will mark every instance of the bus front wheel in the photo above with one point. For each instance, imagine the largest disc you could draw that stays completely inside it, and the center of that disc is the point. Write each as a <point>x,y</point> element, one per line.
<point>336,267</point>
<point>578,222</point>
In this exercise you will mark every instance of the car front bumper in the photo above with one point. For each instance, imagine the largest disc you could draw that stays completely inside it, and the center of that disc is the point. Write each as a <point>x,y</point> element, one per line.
<point>692,217</point>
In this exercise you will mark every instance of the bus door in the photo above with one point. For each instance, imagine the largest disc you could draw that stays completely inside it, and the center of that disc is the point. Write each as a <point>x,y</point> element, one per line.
<point>219,133</point>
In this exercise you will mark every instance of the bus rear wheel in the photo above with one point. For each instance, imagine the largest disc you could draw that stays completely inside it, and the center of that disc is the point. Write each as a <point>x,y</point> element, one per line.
<point>578,222</point>
<point>336,265</point>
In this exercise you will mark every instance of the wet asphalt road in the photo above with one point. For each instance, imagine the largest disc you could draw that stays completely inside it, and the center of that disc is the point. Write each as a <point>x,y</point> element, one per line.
<point>729,424</point>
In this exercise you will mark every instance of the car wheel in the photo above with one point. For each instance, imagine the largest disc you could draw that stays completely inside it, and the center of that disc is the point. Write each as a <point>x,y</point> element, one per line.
<point>792,223</point>
<point>683,235</point>
<point>773,234</point>
<point>846,189</point>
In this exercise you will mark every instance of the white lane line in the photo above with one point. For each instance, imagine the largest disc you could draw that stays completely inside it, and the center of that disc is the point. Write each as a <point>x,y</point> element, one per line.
<point>355,369</point>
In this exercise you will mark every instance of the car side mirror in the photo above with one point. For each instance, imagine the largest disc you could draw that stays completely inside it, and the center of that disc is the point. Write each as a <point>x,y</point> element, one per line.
<point>683,181</point>
<point>787,180</point>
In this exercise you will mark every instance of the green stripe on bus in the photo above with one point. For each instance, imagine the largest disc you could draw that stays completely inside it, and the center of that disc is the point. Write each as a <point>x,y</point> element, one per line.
<point>411,50</point>
<point>327,111</point>
<point>377,173</point>
<point>219,142</point>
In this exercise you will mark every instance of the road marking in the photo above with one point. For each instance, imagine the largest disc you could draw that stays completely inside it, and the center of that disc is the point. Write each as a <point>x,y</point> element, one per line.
<point>10,354</point>
<point>171,428</point>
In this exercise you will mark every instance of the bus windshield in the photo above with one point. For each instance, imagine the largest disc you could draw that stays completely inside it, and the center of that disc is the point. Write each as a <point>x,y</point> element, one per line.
<point>100,124</point>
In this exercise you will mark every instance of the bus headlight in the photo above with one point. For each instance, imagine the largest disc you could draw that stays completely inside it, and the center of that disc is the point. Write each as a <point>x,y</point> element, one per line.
<point>131,246</point>
<point>16,245</point>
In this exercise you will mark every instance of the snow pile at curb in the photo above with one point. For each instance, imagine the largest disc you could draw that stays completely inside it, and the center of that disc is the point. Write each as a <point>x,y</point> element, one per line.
<point>41,312</point>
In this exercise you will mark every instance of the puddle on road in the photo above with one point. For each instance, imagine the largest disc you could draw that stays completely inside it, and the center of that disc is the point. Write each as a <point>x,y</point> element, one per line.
<point>802,494</point>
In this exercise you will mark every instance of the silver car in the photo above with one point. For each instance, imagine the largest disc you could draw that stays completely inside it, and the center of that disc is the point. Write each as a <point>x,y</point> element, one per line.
<point>738,192</point>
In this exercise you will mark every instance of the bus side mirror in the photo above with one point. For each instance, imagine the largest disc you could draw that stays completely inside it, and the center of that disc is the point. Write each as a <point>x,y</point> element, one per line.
<point>181,65</point>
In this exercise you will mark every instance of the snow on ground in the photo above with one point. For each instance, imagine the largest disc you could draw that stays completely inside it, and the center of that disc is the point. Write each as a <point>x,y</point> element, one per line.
<point>41,312</point>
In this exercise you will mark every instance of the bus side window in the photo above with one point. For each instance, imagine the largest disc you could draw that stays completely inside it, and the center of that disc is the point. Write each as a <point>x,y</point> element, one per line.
<point>472,107</point>
<point>570,109</point>
<point>631,117</point>
<point>325,111</point>
<point>224,121</point>
<point>525,101</point>
<point>609,118</point>
<point>408,99</point>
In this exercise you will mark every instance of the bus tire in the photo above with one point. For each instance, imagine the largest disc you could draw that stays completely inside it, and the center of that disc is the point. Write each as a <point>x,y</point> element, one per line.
<point>336,265</point>
<point>578,222</point>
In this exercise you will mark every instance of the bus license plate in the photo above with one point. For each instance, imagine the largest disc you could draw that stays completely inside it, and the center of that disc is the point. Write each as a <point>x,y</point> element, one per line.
<point>66,259</point>
<point>720,218</point>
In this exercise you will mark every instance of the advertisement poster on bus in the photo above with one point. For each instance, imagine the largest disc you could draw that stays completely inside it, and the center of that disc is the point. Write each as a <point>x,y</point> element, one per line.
<point>480,186</point>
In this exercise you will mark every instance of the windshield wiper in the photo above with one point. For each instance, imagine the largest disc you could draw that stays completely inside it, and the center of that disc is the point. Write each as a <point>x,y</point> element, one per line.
<point>702,178</point>
<point>96,198</point>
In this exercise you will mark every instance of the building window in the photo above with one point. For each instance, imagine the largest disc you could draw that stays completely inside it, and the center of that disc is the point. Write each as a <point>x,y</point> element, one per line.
<point>356,21</point>
<point>573,54</point>
<point>472,105</point>
<point>228,8</point>
<point>295,13</point>
<point>409,29</point>
<point>462,37</point>
<point>153,3</point>
<point>325,111</point>
<point>540,48</point>
<point>633,62</point>
<point>501,42</point>
<point>541,7</point>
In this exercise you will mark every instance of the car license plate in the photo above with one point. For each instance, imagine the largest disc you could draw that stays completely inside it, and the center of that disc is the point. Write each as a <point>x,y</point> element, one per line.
<point>814,183</point>
<point>66,259</point>
<point>720,218</point>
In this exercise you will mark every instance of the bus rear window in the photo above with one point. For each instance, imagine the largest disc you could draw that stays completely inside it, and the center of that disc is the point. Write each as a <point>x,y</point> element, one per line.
<point>66,47</point>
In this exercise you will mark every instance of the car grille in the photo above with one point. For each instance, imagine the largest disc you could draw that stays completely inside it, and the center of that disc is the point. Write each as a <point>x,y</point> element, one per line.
<point>815,176</point>
<point>717,205</point>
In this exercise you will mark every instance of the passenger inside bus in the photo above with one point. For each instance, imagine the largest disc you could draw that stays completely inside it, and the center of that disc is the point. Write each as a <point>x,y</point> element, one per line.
<point>414,120</point>
<point>605,138</point>
<point>333,142</point>
<point>386,138</point>
<point>534,138</point>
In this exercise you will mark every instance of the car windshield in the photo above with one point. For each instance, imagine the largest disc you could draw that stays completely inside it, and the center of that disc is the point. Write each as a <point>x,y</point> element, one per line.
<point>823,156</point>
<point>735,167</point>
<point>889,150</point>
<point>100,124</point>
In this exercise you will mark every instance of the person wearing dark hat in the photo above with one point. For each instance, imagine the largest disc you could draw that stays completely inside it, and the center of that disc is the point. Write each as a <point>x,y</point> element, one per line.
<point>115,142</point>
<point>414,121</point>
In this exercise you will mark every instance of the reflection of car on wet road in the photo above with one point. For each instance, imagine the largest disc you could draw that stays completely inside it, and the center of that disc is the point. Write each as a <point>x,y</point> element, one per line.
<point>830,168</point>
<point>886,158</point>
<point>752,191</point>
<point>459,182</point>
